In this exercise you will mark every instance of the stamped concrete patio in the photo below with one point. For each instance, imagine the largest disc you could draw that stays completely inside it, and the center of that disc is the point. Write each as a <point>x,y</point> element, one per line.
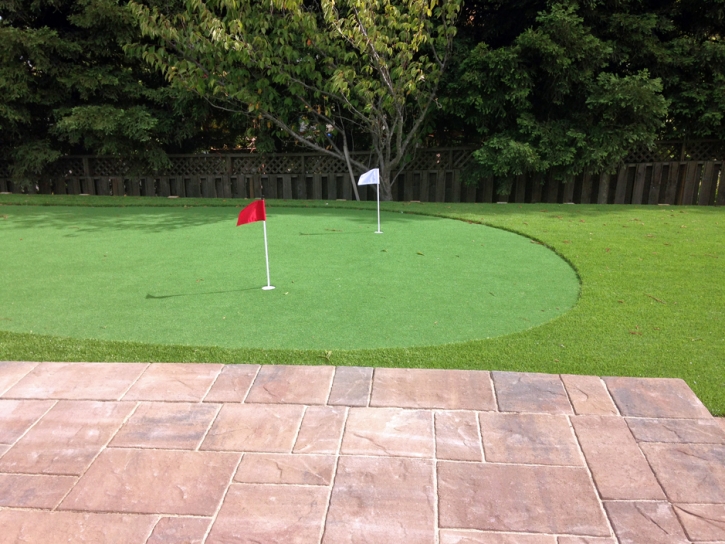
<point>138,453</point>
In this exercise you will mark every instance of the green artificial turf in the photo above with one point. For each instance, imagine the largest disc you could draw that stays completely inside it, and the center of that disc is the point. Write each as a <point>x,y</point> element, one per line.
<point>191,277</point>
<point>652,299</point>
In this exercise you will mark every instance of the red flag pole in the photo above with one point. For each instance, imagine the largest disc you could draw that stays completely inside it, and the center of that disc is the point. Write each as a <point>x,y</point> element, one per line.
<point>269,286</point>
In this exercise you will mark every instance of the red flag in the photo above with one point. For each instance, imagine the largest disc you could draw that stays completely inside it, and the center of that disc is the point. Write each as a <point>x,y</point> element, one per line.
<point>254,212</point>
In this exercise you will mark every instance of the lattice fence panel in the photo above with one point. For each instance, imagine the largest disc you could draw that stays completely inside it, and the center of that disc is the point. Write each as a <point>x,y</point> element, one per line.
<point>425,159</point>
<point>250,164</point>
<point>662,152</point>
<point>462,158</point>
<point>705,151</point>
<point>283,164</point>
<point>108,167</point>
<point>66,167</point>
<point>199,165</point>
<point>324,164</point>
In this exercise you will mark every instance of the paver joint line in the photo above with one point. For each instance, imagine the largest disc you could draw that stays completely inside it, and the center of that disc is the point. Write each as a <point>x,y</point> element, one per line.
<point>317,453</point>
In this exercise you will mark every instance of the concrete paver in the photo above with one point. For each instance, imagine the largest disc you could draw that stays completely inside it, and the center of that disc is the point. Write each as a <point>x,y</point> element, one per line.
<point>527,392</point>
<point>180,530</point>
<point>139,453</point>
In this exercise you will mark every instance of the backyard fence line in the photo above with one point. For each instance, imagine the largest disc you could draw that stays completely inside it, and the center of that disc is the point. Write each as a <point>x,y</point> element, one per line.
<point>673,173</point>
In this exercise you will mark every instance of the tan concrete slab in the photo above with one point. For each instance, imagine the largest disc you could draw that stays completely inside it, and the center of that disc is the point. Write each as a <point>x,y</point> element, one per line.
<point>432,388</point>
<point>270,514</point>
<point>321,430</point>
<point>154,481</point>
<point>448,536</point>
<point>589,395</point>
<point>388,431</point>
<point>536,499</point>
<point>381,500</point>
<point>457,436</point>
<point>41,527</point>
<point>77,381</point>
<point>180,531</point>
<point>619,468</point>
<point>11,373</point>
<point>351,386</point>
<point>166,425</point>
<point>255,427</point>
<point>280,468</point>
<point>537,439</point>
<point>67,438</point>
<point>695,431</point>
<point>645,523</point>
<point>702,522</point>
<point>16,417</point>
<point>33,490</point>
<point>292,385</point>
<point>655,397</point>
<point>689,472</point>
<point>174,382</point>
<point>232,384</point>
<point>529,392</point>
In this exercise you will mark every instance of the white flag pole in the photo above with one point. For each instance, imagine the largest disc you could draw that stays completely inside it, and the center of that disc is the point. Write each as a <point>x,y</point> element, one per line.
<point>378,190</point>
<point>269,286</point>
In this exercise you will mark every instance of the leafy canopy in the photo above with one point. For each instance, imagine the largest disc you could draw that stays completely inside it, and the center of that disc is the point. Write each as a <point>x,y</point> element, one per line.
<point>333,76</point>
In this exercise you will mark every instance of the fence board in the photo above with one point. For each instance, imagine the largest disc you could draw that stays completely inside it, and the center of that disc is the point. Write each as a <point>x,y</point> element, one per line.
<point>520,189</point>
<point>707,195</point>
<point>255,186</point>
<point>689,190</point>
<point>721,188</point>
<point>568,191</point>
<point>317,187</point>
<point>4,185</point>
<point>456,186</point>
<point>656,184</point>
<point>346,187</point>
<point>673,180</point>
<point>639,178</point>
<point>536,188</point>
<point>552,190</point>
<point>586,195</point>
<point>487,190</point>
<point>620,191</point>
<point>208,187</point>
<point>440,185</point>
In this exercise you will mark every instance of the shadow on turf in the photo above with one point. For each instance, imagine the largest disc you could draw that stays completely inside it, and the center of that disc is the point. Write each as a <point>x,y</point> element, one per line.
<point>150,296</point>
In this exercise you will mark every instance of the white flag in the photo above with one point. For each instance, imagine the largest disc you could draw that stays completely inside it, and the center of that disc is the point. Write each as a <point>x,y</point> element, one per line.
<point>371,177</point>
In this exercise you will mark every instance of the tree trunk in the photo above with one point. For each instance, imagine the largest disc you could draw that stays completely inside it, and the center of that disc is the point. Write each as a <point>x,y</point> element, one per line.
<point>386,189</point>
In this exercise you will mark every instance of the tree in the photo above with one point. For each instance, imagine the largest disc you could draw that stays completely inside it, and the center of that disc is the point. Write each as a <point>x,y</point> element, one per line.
<point>335,77</point>
<point>66,86</point>
<point>550,102</point>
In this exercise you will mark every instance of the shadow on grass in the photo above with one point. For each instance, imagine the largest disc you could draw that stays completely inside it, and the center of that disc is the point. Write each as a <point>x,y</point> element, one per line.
<point>88,220</point>
<point>157,297</point>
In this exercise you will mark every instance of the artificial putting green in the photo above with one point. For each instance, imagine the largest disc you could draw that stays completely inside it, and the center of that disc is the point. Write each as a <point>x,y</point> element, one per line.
<point>188,276</point>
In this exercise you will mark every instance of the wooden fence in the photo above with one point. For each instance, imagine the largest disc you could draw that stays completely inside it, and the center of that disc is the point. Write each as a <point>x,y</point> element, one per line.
<point>673,173</point>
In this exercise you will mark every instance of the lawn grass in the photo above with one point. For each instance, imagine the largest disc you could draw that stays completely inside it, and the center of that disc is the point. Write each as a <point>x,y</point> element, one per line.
<point>652,298</point>
<point>191,277</point>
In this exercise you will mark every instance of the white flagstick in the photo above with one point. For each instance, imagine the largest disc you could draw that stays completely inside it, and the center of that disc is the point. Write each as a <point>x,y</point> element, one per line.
<point>372,177</point>
<point>378,190</point>
<point>268,287</point>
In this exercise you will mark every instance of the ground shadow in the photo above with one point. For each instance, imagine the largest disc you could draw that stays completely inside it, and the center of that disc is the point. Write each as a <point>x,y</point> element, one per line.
<point>156,297</point>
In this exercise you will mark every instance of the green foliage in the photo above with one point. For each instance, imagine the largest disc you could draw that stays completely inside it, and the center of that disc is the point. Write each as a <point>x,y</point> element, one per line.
<point>322,75</point>
<point>66,86</point>
<point>549,101</point>
<point>565,87</point>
